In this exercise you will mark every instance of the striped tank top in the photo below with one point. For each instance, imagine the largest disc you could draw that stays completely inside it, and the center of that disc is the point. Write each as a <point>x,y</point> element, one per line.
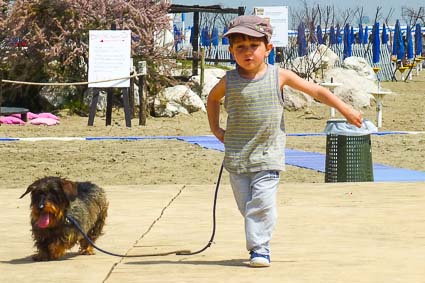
<point>255,133</point>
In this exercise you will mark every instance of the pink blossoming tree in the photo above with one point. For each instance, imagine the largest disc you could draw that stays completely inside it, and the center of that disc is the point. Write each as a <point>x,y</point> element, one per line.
<point>46,40</point>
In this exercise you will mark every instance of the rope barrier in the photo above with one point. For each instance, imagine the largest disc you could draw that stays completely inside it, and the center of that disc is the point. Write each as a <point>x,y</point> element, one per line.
<point>69,84</point>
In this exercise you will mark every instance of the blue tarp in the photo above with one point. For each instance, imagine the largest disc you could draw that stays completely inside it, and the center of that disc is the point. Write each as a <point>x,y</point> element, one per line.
<point>316,161</point>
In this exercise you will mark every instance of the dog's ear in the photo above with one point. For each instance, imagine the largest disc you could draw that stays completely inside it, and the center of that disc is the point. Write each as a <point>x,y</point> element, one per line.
<point>29,189</point>
<point>70,189</point>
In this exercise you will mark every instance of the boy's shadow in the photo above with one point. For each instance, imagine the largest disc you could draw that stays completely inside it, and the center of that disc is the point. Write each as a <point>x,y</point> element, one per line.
<point>228,262</point>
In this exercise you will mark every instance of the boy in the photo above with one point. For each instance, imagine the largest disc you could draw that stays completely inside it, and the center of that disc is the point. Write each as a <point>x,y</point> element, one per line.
<point>254,138</point>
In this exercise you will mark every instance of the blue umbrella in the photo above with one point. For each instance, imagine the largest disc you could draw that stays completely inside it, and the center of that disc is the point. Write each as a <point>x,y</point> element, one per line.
<point>366,35</point>
<point>301,40</point>
<point>332,39</point>
<point>319,34</point>
<point>271,58</point>
<point>205,37</point>
<point>192,34</point>
<point>347,42</point>
<point>352,36</point>
<point>384,34</point>
<point>214,37</point>
<point>225,40</point>
<point>313,37</point>
<point>398,45</point>
<point>376,43</point>
<point>396,37</point>
<point>410,54</point>
<point>360,39</point>
<point>177,37</point>
<point>338,34</point>
<point>418,40</point>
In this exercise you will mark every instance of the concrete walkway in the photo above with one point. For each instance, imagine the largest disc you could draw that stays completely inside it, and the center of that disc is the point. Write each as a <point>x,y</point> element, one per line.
<point>352,232</point>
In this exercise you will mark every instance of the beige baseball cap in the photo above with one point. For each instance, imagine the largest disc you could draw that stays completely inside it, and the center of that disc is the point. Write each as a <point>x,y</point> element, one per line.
<point>251,25</point>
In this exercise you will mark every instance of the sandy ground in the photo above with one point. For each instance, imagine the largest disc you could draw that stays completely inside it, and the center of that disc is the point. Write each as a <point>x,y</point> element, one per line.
<point>175,162</point>
<point>341,232</point>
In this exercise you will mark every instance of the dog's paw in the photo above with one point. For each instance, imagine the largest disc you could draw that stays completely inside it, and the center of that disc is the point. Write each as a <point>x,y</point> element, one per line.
<point>40,257</point>
<point>88,251</point>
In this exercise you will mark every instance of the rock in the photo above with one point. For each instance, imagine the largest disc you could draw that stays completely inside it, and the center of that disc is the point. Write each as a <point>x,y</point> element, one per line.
<point>56,96</point>
<point>355,87</point>
<point>211,77</point>
<point>361,66</point>
<point>321,58</point>
<point>295,99</point>
<point>177,99</point>
<point>101,101</point>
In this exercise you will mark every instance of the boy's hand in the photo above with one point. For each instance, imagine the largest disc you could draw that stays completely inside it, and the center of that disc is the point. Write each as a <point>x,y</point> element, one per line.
<point>219,134</point>
<point>354,117</point>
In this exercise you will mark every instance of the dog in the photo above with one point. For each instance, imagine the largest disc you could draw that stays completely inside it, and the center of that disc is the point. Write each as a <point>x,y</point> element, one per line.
<point>55,198</point>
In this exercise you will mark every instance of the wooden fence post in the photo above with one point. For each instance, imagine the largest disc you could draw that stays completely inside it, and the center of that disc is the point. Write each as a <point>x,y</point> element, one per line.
<point>141,70</point>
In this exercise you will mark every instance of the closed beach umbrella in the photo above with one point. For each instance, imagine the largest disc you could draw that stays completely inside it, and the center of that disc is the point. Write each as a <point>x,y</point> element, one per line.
<point>205,37</point>
<point>401,51</point>
<point>409,44</point>
<point>225,40</point>
<point>301,40</point>
<point>398,43</point>
<point>271,58</point>
<point>384,34</point>
<point>376,44</point>
<point>395,37</point>
<point>214,37</point>
<point>338,34</point>
<point>202,37</point>
<point>332,39</point>
<point>360,39</point>
<point>177,37</point>
<point>192,34</point>
<point>418,40</point>
<point>319,34</point>
<point>366,35</point>
<point>347,41</point>
<point>352,36</point>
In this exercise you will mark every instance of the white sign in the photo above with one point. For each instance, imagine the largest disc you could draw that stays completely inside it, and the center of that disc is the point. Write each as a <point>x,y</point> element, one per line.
<point>109,57</point>
<point>278,16</point>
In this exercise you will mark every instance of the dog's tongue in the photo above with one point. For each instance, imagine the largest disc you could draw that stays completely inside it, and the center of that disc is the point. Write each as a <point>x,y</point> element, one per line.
<point>44,220</point>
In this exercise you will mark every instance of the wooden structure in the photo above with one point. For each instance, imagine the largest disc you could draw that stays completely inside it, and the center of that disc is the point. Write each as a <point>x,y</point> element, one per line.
<point>196,9</point>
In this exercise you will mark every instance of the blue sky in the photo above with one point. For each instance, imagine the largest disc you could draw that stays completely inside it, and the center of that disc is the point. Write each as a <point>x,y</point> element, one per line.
<point>369,5</point>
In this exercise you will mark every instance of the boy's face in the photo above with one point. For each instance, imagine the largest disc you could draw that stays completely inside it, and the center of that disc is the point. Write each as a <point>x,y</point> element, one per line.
<point>249,52</point>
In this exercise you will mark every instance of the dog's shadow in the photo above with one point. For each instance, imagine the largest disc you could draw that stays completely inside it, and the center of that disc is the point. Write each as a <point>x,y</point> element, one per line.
<point>229,262</point>
<point>29,260</point>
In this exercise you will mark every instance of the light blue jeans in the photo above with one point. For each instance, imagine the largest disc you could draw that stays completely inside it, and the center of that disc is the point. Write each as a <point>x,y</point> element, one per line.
<point>255,195</point>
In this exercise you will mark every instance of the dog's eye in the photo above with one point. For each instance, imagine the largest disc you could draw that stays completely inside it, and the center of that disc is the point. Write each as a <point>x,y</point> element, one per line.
<point>35,196</point>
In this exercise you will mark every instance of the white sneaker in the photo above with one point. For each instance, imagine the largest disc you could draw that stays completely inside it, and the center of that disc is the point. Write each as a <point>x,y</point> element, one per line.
<point>259,260</point>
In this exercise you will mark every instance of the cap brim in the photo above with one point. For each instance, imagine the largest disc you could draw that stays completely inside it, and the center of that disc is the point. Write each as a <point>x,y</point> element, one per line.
<point>244,30</point>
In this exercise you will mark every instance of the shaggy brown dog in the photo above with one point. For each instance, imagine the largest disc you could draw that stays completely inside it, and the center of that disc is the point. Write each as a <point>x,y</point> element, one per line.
<point>52,199</point>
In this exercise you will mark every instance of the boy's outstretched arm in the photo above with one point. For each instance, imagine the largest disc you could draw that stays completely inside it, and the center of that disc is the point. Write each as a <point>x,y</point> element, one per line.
<point>321,94</point>
<point>213,108</point>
